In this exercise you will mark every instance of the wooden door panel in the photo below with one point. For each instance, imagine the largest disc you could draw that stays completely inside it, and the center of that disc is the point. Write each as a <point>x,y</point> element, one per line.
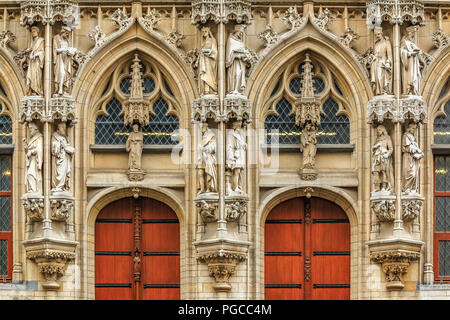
<point>113,294</point>
<point>330,294</point>
<point>284,294</point>
<point>330,237</point>
<point>330,270</point>
<point>283,270</point>
<point>107,236</point>
<point>285,237</point>
<point>289,209</point>
<point>113,269</point>
<point>161,294</point>
<point>160,237</point>
<point>161,270</point>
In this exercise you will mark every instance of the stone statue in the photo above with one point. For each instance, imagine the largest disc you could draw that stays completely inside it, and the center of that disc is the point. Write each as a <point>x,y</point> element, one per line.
<point>134,146</point>
<point>411,160</point>
<point>308,145</point>
<point>62,59</point>
<point>382,166</point>
<point>62,154</point>
<point>237,58</point>
<point>410,57</point>
<point>35,61</point>
<point>236,148</point>
<point>381,66</point>
<point>207,170</point>
<point>208,63</point>
<point>33,160</point>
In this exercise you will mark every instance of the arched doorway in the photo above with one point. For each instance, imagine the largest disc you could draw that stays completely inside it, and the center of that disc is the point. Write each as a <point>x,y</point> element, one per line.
<point>307,251</point>
<point>137,244</point>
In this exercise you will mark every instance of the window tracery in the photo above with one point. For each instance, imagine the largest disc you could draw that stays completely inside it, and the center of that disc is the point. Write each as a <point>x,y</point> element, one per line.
<point>441,127</point>
<point>280,116</point>
<point>164,122</point>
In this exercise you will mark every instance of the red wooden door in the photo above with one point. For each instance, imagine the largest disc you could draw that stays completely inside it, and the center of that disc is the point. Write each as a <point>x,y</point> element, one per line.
<point>137,251</point>
<point>307,251</point>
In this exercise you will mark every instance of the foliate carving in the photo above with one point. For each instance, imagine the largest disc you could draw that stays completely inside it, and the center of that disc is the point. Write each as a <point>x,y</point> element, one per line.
<point>268,36</point>
<point>207,209</point>
<point>120,19</point>
<point>440,39</point>
<point>61,208</point>
<point>97,36</point>
<point>324,20</point>
<point>384,209</point>
<point>293,19</point>
<point>235,208</point>
<point>206,107</point>
<point>394,11</point>
<point>395,264</point>
<point>34,207</point>
<point>151,19</point>
<point>222,266</point>
<point>174,38</point>
<point>349,37</point>
<point>6,37</point>
<point>221,11</point>
<point>411,207</point>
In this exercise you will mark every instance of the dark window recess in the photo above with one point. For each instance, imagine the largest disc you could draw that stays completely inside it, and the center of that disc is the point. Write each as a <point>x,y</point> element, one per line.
<point>441,127</point>
<point>281,128</point>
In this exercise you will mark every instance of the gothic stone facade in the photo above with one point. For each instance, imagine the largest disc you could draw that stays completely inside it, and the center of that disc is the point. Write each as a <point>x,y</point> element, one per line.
<point>92,94</point>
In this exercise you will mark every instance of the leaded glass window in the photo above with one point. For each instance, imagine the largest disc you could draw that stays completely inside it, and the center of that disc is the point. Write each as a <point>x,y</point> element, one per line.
<point>5,130</point>
<point>441,128</point>
<point>3,258</point>
<point>110,129</point>
<point>333,129</point>
<point>282,126</point>
<point>444,258</point>
<point>5,218</point>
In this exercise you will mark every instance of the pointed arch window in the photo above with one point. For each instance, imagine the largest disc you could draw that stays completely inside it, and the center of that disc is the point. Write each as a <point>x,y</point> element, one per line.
<point>5,129</point>
<point>441,128</point>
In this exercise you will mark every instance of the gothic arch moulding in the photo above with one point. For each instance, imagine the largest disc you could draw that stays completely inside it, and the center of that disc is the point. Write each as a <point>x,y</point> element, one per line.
<point>11,81</point>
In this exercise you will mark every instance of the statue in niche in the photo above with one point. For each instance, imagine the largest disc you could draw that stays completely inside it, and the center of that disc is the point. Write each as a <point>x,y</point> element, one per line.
<point>62,154</point>
<point>35,56</point>
<point>382,166</point>
<point>236,148</point>
<point>134,147</point>
<point>381,66</point>
<point>33,160</point>
<point>411,160</point>
<point>62,59</point>
<point>236,60</point>
<point>308,145</point>
<point>207,170</point>
<point>208,63</point>
<point>410,57</point>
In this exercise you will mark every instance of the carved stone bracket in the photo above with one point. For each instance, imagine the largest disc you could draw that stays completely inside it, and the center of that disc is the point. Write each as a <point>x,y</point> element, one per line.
<point>63,109</point>
<point>62,207</point>
<point>413,108</point>
<point>384,107</point>
<point>221,11</point>
<point>384,207</point>
<point>136,174</point>
<point>222,266</point>
<point>395,264</point>
<point>411,206</point>
<point>207,207</point>
<point>206,107</point>
<point>380,108</point>
<point>51,257</point>
<point>33,11</point>
<point>395,256</point>
<point>235,208</point>
<point>394,11</point>
<point>34,207</point>
<point>32,108</point>
<point>238,107</point>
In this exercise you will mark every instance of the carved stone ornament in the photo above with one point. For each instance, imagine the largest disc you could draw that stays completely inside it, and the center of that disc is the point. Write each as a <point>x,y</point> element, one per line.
<point>6,37</point>
<point>381,107</point>
<point>221,11</point>
<point>222,266</point>
<point>63,109</point>
<point>411,207</point>
<point>31,108</point>
<point>174,38</point>
<point>206,107</point>
<point>61,208</point>
<point>237,107</point>
<point>395,264</point>
<point>384,107</point>
<point>34,207</point>
<point>413,108</point>
<point>136,174</point>
<point>207,208</point>
<point>384,208</point>
<point>49,11</point>
<point>268,36</point>
<point>235,208</point>
<point>440,39</point>
<point>349,37</point>
<point>52,265</point>
<point>324,20</point>
<point>293,19</point>
<point>151,19</point>
<point>394,11</point>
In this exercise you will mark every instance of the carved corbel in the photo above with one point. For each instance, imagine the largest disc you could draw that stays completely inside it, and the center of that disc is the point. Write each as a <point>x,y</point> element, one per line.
<point>32,108</point>
<point>52,265</point>
<point>61,208</point>
<point>395,264</point>
<point>222,266</point>
<point>208,210</point>
<point>237,107</point>
<point>411,207</point>
<point>34,207</point>
<point>63,109</point>
<point>235,208</point>
<point>206,107</point>
<point>384,209</point>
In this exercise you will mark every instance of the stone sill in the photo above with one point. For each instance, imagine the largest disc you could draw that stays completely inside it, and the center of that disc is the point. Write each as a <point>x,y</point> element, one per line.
<point>6,148</point>
<point>433,287</point>
<point>440,148</point>
<point>321,148</point>
<point>120,148</point>
<point>19,286</point>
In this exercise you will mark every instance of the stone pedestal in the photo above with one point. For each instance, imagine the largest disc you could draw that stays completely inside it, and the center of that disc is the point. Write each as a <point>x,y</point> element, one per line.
<point>136,174</point>
<point>308,174</point>
<point>383,206</point>
<point>208,106</point>
<point>32,108</point>
<point>207,205</point>
<point>411,206</point>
